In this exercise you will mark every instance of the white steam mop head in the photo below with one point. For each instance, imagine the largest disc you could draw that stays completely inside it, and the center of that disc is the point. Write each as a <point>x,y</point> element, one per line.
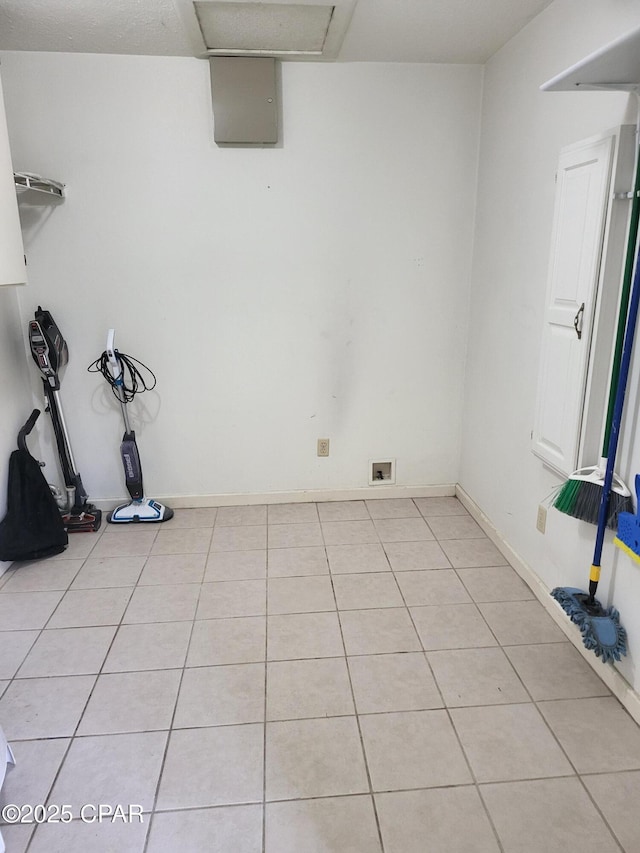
<point>140,511</point>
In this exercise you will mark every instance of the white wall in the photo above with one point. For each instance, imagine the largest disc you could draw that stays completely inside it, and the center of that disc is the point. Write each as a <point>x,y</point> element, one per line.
<point>16,403</point>
<point>15,399</point>
<point>318,289</point>
<point>522,133</point>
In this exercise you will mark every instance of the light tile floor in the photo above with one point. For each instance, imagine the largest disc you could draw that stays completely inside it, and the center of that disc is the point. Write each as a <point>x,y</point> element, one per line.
<point>346,677</point>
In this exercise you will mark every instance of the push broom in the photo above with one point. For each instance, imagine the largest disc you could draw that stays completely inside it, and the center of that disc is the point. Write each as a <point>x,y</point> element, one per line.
<point>581,495</point>
<point>601,630</point>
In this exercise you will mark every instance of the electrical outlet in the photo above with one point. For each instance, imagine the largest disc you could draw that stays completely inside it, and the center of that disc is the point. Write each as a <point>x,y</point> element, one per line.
<point>323,447</point>
<point>541,522</point>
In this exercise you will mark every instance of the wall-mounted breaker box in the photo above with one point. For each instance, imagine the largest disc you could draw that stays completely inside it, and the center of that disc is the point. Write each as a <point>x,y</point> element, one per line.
<point>243,93</point>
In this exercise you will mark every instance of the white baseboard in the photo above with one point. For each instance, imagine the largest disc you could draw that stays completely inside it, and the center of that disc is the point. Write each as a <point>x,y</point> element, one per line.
<point>302,496</point>
<point>618,685</point>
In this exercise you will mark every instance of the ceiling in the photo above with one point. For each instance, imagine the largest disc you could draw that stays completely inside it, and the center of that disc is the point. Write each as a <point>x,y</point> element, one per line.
<point>457,31</point>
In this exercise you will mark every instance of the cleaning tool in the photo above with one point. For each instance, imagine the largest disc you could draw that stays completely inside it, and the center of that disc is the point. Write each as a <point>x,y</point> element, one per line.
<point>51,354</point>
<point>600,627</point>
<point>581,494</point>
<point>628,536</point>
<point>33,527</point>
<point>120,371</point>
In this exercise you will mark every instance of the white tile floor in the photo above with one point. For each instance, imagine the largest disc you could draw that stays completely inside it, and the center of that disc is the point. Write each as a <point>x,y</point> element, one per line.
<point>348,677</point>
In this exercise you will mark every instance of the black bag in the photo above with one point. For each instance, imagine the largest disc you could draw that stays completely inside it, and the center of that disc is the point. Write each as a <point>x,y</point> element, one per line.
<point>33,527</point>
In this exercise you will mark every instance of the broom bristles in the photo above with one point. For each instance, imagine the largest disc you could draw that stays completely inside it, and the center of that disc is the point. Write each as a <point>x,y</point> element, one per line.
<point>581,499</point>
<point>566,497</point>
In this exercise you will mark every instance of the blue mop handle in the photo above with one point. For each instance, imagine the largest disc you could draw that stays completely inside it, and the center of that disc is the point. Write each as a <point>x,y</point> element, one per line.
<point>629,334</point>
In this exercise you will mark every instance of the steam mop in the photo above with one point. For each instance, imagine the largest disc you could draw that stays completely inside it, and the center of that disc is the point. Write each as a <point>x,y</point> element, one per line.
<point>112,364</point>
<point>51,354</point>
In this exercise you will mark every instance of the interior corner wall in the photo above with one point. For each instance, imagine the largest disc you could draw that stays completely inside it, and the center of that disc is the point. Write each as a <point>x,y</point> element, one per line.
<point>16,402</point>
<point>523,130</point>
<point>315,289</point>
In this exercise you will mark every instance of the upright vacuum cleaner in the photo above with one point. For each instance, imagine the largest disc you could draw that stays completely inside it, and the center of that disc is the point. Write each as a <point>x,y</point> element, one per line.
<point>51,354</point>
<point>120,371</point>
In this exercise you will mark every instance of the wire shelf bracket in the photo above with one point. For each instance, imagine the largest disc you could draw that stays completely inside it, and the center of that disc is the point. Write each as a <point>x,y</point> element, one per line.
<point>28,181</point>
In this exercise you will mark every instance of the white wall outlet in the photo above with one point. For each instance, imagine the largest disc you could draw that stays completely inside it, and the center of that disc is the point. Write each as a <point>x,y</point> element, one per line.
<point>323,447</point>
<point>541,521</point>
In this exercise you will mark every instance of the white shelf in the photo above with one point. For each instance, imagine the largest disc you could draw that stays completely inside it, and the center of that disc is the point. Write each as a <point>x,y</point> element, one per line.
<point>27,181</point>
<point>616,66</point>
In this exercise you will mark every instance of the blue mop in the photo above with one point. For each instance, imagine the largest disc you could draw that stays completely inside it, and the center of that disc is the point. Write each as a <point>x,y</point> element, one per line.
<point>600,626</point>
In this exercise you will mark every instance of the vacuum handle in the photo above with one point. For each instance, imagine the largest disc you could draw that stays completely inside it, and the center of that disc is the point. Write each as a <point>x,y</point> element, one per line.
<point>26,429</point>
<point>114,364</point>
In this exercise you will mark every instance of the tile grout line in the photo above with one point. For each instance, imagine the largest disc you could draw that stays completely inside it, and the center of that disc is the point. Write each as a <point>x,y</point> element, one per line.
<point>357,716</point>
<point>175,708</point>
<point>534,702</point>
<point>577,775</point>
<point>308,718</point>
<point>362,794</point>
<point>75,735</point>
<point>406,607</point>
<point>42,629</point>
<point>14,677</point>
<point>453,728</point>
<point>82,713</point>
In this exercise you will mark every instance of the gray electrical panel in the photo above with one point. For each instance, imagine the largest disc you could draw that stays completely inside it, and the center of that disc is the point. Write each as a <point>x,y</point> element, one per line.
<point>243,92</point>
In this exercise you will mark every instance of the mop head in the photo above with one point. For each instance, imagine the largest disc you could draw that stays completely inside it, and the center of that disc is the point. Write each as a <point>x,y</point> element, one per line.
<point>581,495</point>
<point>141,511</point>
<point>630,549</point>
<point>628,537</point>
<point>600,627</point>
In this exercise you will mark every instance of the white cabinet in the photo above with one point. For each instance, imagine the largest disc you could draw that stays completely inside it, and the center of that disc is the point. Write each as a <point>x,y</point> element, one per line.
<point>12,266</point>
<point>582,202</point>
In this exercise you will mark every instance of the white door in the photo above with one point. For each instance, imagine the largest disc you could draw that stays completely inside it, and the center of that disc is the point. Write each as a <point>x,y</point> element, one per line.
<point>582,199</point>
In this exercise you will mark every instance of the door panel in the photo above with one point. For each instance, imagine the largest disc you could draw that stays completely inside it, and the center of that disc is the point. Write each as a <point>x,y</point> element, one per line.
<point>582,200</point>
